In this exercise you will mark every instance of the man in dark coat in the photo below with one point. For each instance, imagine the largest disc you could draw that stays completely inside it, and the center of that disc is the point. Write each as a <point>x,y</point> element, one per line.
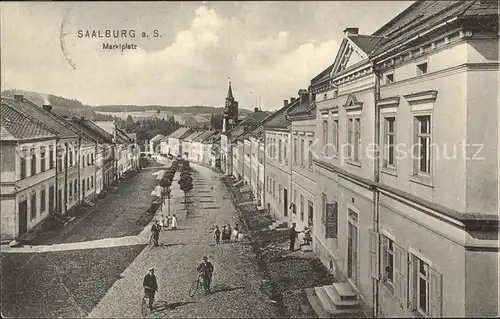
<point>206,269</point>
<point>155,229</point>
<point>293,236</point>
<point>150,286</point>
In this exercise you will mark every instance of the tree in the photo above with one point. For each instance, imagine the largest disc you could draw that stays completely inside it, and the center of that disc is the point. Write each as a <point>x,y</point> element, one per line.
<point>186,183</point>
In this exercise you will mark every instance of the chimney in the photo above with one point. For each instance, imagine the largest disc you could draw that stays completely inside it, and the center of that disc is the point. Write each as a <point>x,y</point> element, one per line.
<point>47,107</point>
<point>292,99</point>
<point>285,102</point>
<point>18,97</point>
<point>304,96</point>
<point>351,31</point>
<point>256,109</point>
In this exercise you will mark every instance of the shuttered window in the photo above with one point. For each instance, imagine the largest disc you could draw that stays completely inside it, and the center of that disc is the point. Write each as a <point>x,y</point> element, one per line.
<point>331,226</point>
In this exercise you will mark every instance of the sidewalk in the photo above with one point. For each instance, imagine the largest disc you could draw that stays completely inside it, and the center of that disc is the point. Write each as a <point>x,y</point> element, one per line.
<point>288,273</point>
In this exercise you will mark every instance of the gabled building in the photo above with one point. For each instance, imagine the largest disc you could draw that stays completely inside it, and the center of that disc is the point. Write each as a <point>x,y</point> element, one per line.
<point>398,106</point>
<point>201,148</point>
<point>154,143</point>
<point>187,144</point>
<point>28,173</point>
<point>172,144</point>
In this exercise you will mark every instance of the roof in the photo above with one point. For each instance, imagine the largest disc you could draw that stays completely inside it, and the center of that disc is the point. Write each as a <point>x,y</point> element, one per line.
<point>29,108</point>
<point>17,126</point>
<point>250,120</point>
<point>181,132</point>
<point>303,108</point>
<point>93,130</point>
<point>124,135</point>
<point>365,42</point>
<point>190,137</point>
<point>157,138</point>
<point>203,136</point>
<point>324,75</point>
<point>111,128</point>
<point>423,15</point>
<point>280,120</point>
<point>230,93</point>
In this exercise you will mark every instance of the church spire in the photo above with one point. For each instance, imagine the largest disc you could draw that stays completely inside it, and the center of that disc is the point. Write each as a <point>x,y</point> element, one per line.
<point>230,92</point>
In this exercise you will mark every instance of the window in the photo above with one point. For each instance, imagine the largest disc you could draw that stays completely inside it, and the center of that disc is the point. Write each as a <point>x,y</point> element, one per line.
<point>295,150</point>
<point>51,157</point>
<point>88,159</point>
<point>24,164</point>
<point>325,134</point>
<point>83,160</point>
<point>88,183</point>
<point>422,68</point>
<point>42,159</point>
<point>75,186</point>
<point>335,136</point>
<point>285,147</point>
<point>302,152</point>
<point>91,181</point>
<point>426,289</point>
<point>51,198</point>
<point>302,207</point>
<point>279,150</point>
<point>423,141</point>
<point>323,208</point>
<point>33,162</point>
<point>274,188</point>
<point>389,141</point>
<point>354,138</point>
<point>70,157</point>
<point>389,78</point>
<point>42,201</point>
<point>60,162</point>
<point>33,206</point>
<point>325,96</point>
<point>310,155</point>
<point>294,209</point>
<point>279,193</point>
<point>70,190</point>
<point>92,158</point>
<point>388,261</point>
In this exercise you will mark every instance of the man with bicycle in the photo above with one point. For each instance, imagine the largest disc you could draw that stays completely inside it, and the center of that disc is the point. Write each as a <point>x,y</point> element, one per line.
<point>206,269</point>
<point>150,286</point>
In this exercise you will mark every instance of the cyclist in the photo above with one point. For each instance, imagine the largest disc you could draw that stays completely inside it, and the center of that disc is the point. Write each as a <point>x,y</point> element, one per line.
<point>155,230</point>
<point>150,286</point>
<point>206,269</point>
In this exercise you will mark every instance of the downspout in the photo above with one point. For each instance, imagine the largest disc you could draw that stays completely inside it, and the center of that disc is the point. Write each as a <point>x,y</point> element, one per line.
<point>66,178</point>
<point>376,193</point>
<point>79,167</point>
<point>56,186</point>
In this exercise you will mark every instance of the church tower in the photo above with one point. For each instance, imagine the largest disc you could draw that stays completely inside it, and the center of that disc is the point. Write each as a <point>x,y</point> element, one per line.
<point>230,115</point>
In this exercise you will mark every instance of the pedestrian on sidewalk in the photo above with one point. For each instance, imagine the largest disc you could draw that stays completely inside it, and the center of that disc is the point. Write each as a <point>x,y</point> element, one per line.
<point>164,222</point>
<point>150,286</point>
<point>162,225</point>
<point>155,229</point>
<point>217,234</point>
<point>174,222</point>
<point>307,236</point>
<point>224,234</point>
<point>229,232</point>
<point>293,237</point>
<point>236,232</point>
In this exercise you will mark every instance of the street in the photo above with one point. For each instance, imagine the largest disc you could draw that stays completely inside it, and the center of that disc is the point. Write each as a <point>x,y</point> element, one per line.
<point>81,273</point>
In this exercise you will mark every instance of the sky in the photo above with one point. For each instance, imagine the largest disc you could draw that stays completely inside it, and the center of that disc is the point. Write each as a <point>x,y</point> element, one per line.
<point>269,50</point>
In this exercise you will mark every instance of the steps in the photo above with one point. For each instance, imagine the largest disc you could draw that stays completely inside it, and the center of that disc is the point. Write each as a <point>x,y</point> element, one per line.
<point>338,300</point>
<point>277,225</point>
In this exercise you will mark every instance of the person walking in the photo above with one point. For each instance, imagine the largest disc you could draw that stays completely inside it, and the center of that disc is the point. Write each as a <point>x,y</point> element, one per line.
<point>150,286</point>
<point>293,237</point>
<point>174,222</point>
<point>155,230</point>
<point>206,269</point>
<point>224,234</point>
<point>236,232</point>
<point>217,234</point>
<point>229,232</point>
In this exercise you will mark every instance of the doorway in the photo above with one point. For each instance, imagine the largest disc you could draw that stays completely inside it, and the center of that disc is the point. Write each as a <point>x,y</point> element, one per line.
<point>352,245</point>
<point>310,212</point>
<point>285,202</point>
<point>23,217</point>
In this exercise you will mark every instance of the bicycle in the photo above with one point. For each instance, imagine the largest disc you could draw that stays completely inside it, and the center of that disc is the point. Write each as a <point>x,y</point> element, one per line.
<point>145,305</point>
<point>195,286</point>
<point>152,241</point>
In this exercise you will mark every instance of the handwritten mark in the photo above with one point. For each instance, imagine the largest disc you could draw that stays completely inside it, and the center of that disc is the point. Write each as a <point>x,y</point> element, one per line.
<point>63,43</point>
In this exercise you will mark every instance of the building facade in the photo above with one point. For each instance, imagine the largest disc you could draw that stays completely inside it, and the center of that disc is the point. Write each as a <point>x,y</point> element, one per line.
<point>388,206</point>
<point>172,144</point>
<point>28,180</point>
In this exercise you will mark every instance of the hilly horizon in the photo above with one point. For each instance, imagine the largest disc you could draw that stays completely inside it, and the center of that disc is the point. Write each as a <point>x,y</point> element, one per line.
<point>73,107</point>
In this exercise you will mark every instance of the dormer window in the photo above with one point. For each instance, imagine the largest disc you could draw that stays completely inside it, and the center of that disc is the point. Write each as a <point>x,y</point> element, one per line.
<point>389,78</point>
<point>422,68</point>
